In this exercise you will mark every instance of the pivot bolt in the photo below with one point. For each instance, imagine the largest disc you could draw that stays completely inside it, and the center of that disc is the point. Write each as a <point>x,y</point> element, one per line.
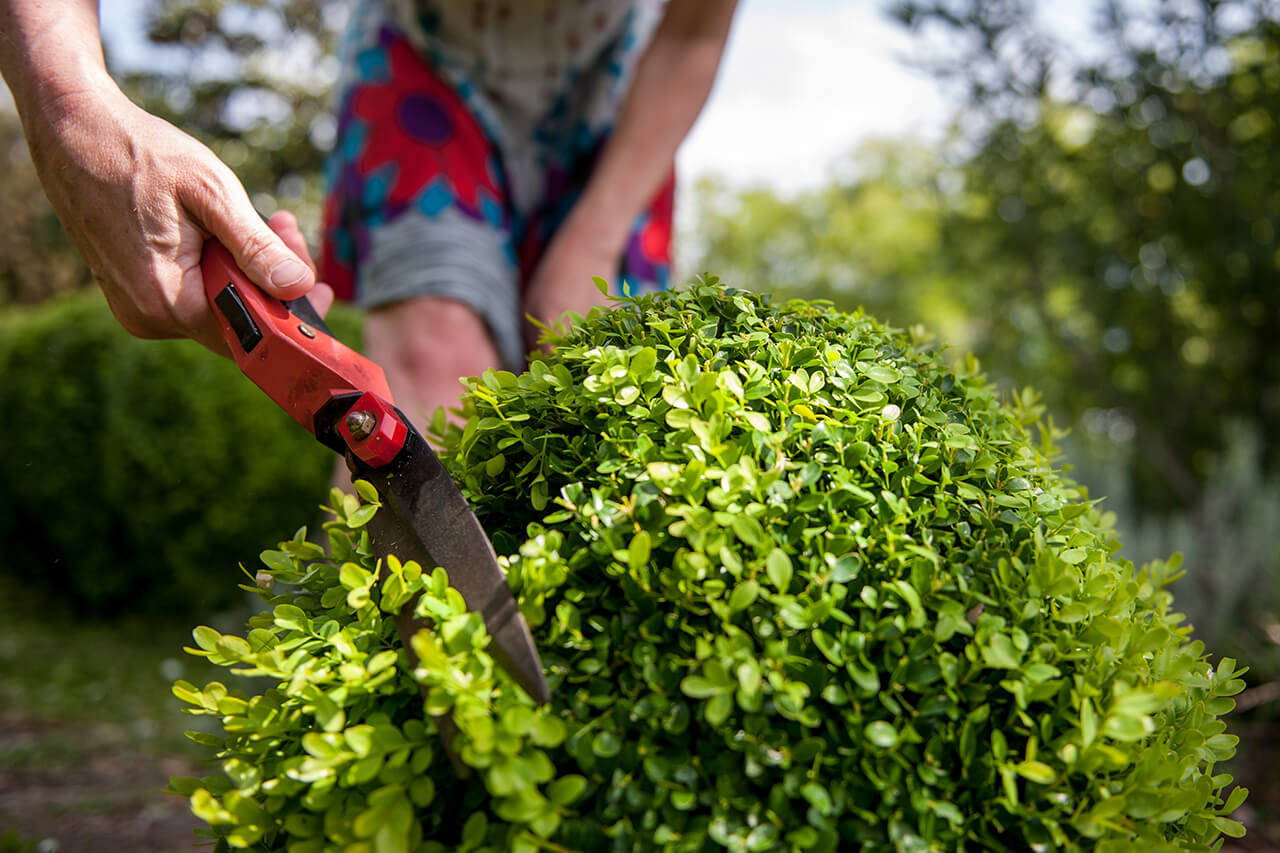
<point>361,424</point>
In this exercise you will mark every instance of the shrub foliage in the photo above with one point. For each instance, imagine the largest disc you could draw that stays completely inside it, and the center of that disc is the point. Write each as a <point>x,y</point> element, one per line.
<point>140,472</point>
<point>797,586</point>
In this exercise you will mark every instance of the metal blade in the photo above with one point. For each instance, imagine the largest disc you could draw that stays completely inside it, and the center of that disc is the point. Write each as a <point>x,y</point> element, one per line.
<point>425,518</point>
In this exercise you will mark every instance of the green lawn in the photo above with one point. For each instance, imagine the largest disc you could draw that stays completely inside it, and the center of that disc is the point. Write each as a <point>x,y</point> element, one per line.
<point>89,731</point>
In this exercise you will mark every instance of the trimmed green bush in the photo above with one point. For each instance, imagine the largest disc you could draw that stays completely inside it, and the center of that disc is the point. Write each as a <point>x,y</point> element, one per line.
<point>139,473</point>
<point>797,586</point>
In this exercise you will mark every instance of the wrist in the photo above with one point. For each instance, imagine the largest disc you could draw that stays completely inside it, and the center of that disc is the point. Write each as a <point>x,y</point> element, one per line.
<point>48,60</point>
<point>598,227</point>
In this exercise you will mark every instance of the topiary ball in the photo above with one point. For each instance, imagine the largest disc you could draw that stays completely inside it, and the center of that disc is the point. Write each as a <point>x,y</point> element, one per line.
<point>797,585</point>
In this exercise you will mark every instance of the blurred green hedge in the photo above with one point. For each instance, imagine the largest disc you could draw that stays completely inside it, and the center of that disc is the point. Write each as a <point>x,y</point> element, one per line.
<point>139,474</point>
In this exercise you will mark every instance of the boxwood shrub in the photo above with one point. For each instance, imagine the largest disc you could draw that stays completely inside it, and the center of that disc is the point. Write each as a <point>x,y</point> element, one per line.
<point>139,473</point>
<point>797,586</point>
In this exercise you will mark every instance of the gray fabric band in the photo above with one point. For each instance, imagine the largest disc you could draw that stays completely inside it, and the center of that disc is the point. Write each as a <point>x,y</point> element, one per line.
<point>447,256</point>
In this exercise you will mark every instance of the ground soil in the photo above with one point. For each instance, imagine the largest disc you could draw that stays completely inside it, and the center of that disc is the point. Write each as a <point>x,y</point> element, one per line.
<point>90,790</point>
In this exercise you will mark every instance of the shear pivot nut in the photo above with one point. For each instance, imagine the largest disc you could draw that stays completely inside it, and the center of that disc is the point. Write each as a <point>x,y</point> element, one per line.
<point>361,424</point>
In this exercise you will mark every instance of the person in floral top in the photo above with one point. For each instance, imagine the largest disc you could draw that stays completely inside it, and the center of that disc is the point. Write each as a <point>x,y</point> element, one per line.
<point>491,158</point>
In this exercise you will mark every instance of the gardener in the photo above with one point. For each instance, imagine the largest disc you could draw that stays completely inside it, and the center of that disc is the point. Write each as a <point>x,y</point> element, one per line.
<point>491,158</point>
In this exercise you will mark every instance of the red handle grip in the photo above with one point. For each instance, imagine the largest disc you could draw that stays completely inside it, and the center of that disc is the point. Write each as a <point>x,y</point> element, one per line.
<point>301,368</point>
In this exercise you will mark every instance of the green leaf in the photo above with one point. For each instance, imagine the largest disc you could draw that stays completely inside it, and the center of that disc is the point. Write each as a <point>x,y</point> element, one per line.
<point>1036,771</point>
<point>496,465</point>
<point>778,567</point>
<point>881,373</point>
<point>718,708</point>
<point>881,734</point>
<point>361,516</point>
<point>1000,652</point>
<point>606,744</point>
<point>639,549</point>
<point>846,568</point>
<point>1228,827</point>
<point>291,618</point>
<point>366,491</point>
<point>748,530</point>
<point>566,790</point>
<point>744,595</point>
<point>847,616</point>
<point>474,830</point>
<point>548,731</point>
<point>206,638</point>
<point>1235,800</point>
<point>697,687</point>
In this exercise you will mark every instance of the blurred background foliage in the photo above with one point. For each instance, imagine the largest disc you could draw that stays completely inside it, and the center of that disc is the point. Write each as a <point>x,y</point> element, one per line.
<point>1100,226</point>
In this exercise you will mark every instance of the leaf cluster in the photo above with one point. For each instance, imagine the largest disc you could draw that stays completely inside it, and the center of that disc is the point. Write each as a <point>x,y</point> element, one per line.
<point>797,586</point>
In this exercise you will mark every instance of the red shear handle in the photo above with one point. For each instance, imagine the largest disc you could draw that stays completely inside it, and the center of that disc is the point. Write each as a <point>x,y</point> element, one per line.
<point>301,368</point>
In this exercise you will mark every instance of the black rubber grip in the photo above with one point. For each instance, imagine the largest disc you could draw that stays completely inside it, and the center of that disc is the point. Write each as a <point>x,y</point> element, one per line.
<point>232,307</point>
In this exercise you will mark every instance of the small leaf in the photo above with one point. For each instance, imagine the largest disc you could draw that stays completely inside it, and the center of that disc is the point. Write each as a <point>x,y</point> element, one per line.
<point>1036,771</point>
<point>565,790</point>
<point>606,744</point>
<point>206,637</point>
<point>881,734</point>
<point>744,595</point>
<point>366,491</point>
<point>638,550</point>
<point>698,687</point>
<point>778,567</point>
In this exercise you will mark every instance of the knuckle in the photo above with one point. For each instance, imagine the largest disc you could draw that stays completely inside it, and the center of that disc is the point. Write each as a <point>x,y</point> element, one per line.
<point>255,249</point>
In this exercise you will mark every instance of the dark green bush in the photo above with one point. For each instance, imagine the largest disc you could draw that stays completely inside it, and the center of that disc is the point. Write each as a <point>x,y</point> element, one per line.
<point>797,587</point>
<point>139,473</point>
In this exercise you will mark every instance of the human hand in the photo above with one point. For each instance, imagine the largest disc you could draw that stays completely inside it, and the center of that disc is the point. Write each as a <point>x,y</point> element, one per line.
<point>138,198</point>
<point>562,282</point>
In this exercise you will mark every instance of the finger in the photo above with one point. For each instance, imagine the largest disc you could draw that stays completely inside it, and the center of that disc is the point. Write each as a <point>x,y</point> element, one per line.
<point>285,224</point>
<point>211,337</point>
<point>264,256</point>
<point>321,298</point>
<point>145,326</point>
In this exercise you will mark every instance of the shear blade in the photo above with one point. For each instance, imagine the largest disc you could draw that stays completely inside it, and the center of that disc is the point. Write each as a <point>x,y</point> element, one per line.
<point>426,519</point>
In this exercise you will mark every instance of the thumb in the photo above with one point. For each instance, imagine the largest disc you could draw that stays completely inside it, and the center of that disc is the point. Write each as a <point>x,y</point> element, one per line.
<point>260,253</point>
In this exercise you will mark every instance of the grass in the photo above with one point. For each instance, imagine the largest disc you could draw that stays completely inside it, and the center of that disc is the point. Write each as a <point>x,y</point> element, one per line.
<point>89,730</point>
<point>57,667</point>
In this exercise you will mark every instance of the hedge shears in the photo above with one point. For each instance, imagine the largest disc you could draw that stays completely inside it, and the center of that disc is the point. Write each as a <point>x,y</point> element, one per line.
<point>343,399</point>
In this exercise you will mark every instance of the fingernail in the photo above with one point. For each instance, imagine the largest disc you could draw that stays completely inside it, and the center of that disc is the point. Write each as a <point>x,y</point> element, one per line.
<point>287,273</point>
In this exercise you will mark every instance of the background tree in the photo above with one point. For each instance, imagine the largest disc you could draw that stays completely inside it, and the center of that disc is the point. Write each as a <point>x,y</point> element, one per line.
<point>36,258</point>
<point>1135,218</point>
<point>253,80</point>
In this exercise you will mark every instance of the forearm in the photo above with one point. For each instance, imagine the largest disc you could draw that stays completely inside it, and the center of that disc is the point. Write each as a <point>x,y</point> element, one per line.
<point>50,51</point>
<point>671,85</point>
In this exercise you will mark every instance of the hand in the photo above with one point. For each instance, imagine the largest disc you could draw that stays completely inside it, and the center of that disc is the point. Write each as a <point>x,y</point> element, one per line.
<point>562,283</point>
<point>138,198</point>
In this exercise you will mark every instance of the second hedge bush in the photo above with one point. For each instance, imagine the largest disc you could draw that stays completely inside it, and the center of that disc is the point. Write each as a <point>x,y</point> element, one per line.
<point>139,473</point>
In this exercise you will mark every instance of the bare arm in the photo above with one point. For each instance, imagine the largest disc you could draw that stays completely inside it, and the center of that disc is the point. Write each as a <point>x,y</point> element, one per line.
<point>672,81</point>
<point>137,196</point>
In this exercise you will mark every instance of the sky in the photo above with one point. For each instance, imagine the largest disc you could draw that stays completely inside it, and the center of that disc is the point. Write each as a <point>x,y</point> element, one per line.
<point>803,83</point>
